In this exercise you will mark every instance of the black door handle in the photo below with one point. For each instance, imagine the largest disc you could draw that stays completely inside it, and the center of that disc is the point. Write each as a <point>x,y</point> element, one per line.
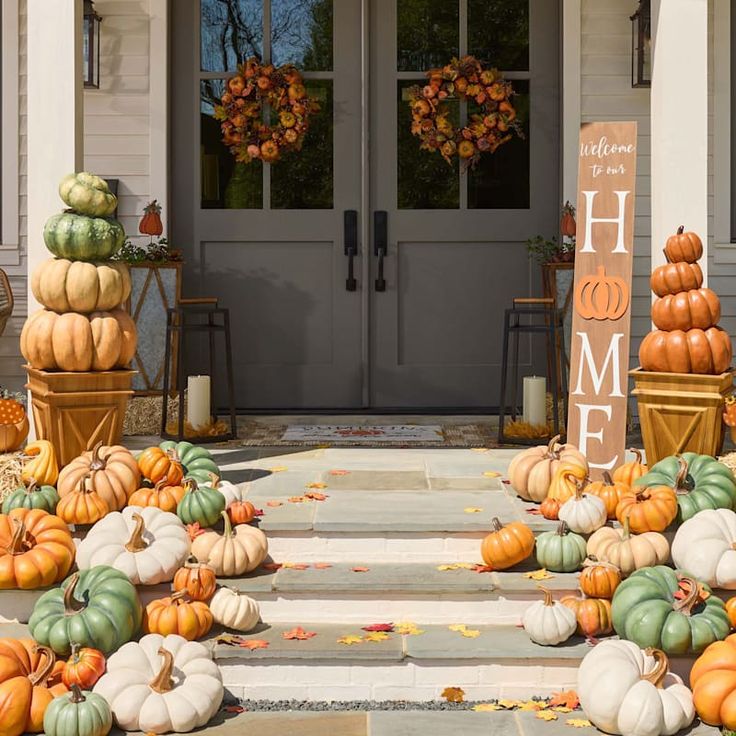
<point>380,244</point>
<point>351,247</point>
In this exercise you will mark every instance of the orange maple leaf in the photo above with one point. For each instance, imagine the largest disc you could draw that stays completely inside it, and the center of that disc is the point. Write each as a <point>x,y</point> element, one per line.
<point>482,568</point>
<point>361,569</point>
<point>298,499</point>
<point>234,709</point>
<point>315,496</point>
<point>317,485</point>
<point>453,694</point>
<point>321,565</point>
<point>294,566</point>
<point>272,566</point>
<point>298,633</point>
<point>567,699</point>
<point>194,530</point>
<point>252,644</point>
<point>339,472</point>
<point>274,504</point>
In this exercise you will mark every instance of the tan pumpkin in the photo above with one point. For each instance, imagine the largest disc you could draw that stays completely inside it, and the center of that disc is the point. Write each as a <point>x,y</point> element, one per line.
<point>599,579</point>
<point>79,286</point>
<point>531,471</point>
<point>631,471</point>
<point>706,352</point>
<point>673,278</point>
<point>565,482</point>
<point>699,308</point>
<point>593,615</point>
<point>115,473</point>
<point>682,246</point>
<point>99,341</point>
<point>610,491</point>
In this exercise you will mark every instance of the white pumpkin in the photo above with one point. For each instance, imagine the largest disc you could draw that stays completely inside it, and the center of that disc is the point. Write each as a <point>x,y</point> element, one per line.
<point>704,546</point>
<point>231,491</point>
<point>629,691</point>
<point>147,544</point>
<point>548,622</point>
<point>162,684</point>
<point>234,609</point>
<point>583,513</point>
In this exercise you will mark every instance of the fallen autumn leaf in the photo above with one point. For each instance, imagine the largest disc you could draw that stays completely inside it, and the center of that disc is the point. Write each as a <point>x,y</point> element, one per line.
<point>454,694</point>
<point>299,634</point>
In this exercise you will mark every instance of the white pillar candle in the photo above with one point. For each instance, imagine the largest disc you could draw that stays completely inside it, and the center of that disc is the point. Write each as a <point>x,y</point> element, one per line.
<point>535,400</point>
<point>198,401</point>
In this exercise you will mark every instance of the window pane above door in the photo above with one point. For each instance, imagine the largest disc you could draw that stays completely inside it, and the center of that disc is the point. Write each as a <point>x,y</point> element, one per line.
<point>231,30</point>
<point>301,34</point>
<point>427,33</point>
<point>498,33</point>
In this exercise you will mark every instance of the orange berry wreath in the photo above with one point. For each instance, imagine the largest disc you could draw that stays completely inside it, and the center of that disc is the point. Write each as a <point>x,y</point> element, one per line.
<point>244,131</point>
<point>464,79</point>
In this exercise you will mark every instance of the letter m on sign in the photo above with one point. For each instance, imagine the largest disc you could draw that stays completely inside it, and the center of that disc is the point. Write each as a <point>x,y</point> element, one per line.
<point>599,343</point>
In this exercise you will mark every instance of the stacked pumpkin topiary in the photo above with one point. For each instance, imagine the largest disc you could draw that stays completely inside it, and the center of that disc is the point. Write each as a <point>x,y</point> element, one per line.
<point>686,314</point>
<point>82,326</point>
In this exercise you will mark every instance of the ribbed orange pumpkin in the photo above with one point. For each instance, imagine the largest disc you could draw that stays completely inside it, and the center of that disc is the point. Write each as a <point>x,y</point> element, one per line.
<point>156,464</point>
<point>599,579</point>
<point>196,579</point>
<point>631,471</point>
<point>713,682</point>
<point>30,678</point>
<point>84,667</point>
<point>705,352</point>
<point>83,505</point>
<point>565,482</point>
<point>731,611</point>
<point>508,545</point>
<point>36,549</point>
<point>697,308</point>
<point>673,278</point>
<point>175,615</point>
<point>592,614</point>
<point>164,496</point>
<point>650,509</point>
<point>241,512</point>
<point>682,246</point>
<point>610,491</point>
<point>550,508</point>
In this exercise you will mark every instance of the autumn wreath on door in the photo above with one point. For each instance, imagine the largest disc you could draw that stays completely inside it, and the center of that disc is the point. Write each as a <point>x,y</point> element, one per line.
<point>241,113</point>
<point>493,124</point>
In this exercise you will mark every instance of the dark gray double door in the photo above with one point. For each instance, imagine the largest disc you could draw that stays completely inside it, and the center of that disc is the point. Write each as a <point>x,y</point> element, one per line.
<point>273,241</point>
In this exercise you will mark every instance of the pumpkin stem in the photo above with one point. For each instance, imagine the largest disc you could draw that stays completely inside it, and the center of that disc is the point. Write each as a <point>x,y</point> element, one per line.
<point>71,604</point>
<point>562,529</point>
<point>661,666</point>
<point>136,543</point>
<point>76,696</point>
<point>666,255</point>
<point>593,561</point>
<point>607,478</point>
<point>496,524</point>
<point>228,531</point>
<point>681,477</point>
<point>32,485</point>
<point>97,463</point>
<point>173,455</point>
<point>637,455</point>
<point>192,562</point>
<point>74,656</point>
<point>551,452</point>
<point>686,604</point>
<point>163,683</point>
<point>547,595</point>
<point>40,674</point>
<point>191,485</point>
<point>177,597</point>
<point>626,534</point>
<point>214,479</point>
<point>18,543</point>
<point>681,230</point>
<point>579,488</point>
<point>161,484</point>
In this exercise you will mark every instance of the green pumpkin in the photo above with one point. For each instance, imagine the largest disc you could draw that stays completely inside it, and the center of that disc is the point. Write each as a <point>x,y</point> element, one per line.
<point>644,610</point>
<point>77,713</point>
<point>82,238</point>
<point>87,194</point>
<point>33,497</point>
<point>700,481</point>
<point>561,550</point>
<point>201,504</point>
<point>197,461</point>
<point>96,608</point>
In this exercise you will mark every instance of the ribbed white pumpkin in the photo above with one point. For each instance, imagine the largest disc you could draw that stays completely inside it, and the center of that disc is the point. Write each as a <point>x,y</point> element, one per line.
<point>704,546</point>
<point>583,513</point>
<point>162,684</point>
<point>548,622</point>
<point>234,609</point>
<point>147,544</point>
<point>629,691</point>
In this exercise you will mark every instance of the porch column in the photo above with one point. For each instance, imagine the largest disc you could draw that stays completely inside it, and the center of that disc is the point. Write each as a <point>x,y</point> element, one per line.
<point>679,142</point>
<point>55,114</point>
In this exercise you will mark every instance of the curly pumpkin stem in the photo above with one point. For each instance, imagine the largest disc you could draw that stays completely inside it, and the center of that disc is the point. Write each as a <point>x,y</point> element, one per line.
<point>97,463</point>
<point>681,485</point>
<point>40,674</point>
<point>607,479</point>
<point>228,531</point>
<point>547,595</point>
<point>214,479</point>
<point>136,543</point>
<point>18,542</point>
<point>191,485</point>
<point>551,452</point>
<point>173,455</point>
<point>637,455</point>
<point>661,667</point>
<point>579,488</point>
<point>593,561</point>
<point>686,604</point>
<point>176,598</point>
<point>75,694</point>
<point>32,485</point>
<point>163,682</point>
<point>71,604</point>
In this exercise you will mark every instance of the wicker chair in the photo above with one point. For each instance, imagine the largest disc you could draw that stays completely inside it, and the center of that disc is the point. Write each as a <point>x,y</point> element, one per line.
<point>6,300</point>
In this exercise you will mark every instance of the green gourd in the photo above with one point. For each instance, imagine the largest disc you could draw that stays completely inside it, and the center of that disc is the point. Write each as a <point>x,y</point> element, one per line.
<point>645,610</point>
<point>96,608</point>
<point>561,550</point>
<point>201,504</point>
<point>82,238</point>
<point>77,713</point>
<point>699,481</point>
<point>32,497</point>
<point>197,461</point>
<point>87,194</point>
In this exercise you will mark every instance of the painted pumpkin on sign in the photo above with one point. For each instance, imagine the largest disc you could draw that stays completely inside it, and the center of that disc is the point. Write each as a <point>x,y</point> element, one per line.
<point>601,296</point>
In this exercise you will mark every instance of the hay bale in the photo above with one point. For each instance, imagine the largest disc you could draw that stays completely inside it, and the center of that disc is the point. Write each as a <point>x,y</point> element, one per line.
<point>11,465</point>
<point>143,415</point>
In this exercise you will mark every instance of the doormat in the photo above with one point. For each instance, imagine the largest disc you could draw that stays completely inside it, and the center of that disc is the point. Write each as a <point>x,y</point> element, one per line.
<point>368,435</point>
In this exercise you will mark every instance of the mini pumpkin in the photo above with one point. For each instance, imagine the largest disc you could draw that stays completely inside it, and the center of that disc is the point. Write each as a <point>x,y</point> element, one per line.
<point>196,579</point>
<point>84,667</point>
<point>201,504</point>
<point>83,505</point>
<point>41,464</point>
<point>32,497</point>
<point>593,615</point>
<point>241,512</point>
<point>165,496</point>
<point>507,545</point>
<point>150,223</point>
<point>583,513</point>
<point>610,491</point>
<point>565,481</point>
<point>77,714</point>
<point>235,610</point>
<point>599,579</point>
<point>560,550</point>
<point>548,622</point>
<point>630,471</point>
<point>683,246</point>
<point>156,464</point>
<point>177,615</point>
<point>550,509</point>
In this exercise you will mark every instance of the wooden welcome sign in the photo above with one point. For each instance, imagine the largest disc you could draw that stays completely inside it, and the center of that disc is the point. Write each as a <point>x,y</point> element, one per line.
<point>599,344</point>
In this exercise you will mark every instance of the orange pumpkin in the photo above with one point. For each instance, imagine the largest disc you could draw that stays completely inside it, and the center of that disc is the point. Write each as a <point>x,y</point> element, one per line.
<point>682,246</point>
<point>150,223</point>
<point>631,471</point>
<point>705,352</point>
<point>673,278</point>
<point>685,310</point>
<point>30,678</point>
<point>13,425</point>
<point>713,682</point>
<point>196,579</point>
<point>241,512</point>
<point>507,545</point>
<point>601,297</point>
<point>567,222</point>
<point>36,549</point>
<point>164,496</point>
<point>599,579</point>
<point>83,505</point>
<point>731,611</point>
<point>84,667</point>
<point>650,509</point>
<point>550,508</point>
<point>116,474</point>
<point>565,482</point>
<point>610,491</point>
<point>175,615</point>
<point>592,614</point>
<point>156,464</point>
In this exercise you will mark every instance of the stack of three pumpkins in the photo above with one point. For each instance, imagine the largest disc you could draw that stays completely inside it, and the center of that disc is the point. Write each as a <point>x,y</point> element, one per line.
<point>82,326</point>
<point>686,314</point>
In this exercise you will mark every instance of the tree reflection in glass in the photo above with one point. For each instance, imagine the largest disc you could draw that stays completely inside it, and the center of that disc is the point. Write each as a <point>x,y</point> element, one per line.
<point>301,34</point>
<point>231,31</point>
